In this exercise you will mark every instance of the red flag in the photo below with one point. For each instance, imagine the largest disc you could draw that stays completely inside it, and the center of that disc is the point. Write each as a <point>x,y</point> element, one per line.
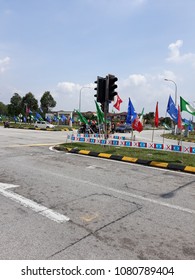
<point>156,120</point>
<point>27,110</point>
<point>179,122</point>
<point>137,125</point>
<point>118,103</point>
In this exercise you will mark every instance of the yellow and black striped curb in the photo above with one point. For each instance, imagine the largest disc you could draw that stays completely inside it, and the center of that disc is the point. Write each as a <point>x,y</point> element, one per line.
<point>51,129</point>
<point>152,163</point>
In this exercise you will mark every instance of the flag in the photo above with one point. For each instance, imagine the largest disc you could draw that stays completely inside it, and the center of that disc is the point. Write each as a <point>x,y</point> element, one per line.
<point>38,116</point>
<point>137,125</point>
<point>118,103</point>
<point>172,110</point>
<point>81,117</point>
<point>156,120</point>
<point>179,123</point>
<point>166,126</point>
<point>48,119</point>
<point>55,119</point>
<point>63,118</point>
<point>142,116</point>
<point>100,114</point>
<point>185,106</point>
<point>131,114</point>
<point>27,110</point>
<point>15,118</point>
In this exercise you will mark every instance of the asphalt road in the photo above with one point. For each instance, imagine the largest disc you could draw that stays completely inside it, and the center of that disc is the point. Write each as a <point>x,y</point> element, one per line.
<point>55,205</point>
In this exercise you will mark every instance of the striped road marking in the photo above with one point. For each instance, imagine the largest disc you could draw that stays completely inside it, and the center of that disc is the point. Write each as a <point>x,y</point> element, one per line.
<point>40,209</point>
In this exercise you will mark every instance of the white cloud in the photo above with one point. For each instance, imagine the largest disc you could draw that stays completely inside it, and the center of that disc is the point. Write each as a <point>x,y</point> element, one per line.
<point>4,64</point>
<point>176,56</point>
<point>67,95</point>
<point>135,79</point>
<point>138,79</point>
<point>67,87</point>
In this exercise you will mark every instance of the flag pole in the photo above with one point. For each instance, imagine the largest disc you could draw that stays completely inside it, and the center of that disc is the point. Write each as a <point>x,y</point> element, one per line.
<point>164,128</point>
<point>153,134</point>
<point>156,120</point>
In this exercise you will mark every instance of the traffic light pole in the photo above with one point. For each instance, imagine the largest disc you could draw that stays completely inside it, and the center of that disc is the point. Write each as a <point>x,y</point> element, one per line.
<point>106,91</point>
<point>106,107</point>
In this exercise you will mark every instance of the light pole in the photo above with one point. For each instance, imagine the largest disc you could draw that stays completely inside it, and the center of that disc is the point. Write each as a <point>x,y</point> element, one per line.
<point>167,80</point>
<point>175,90</point>
<point>80,97</point>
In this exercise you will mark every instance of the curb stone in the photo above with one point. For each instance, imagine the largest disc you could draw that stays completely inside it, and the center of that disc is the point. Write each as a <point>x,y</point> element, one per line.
<point>152,163</point>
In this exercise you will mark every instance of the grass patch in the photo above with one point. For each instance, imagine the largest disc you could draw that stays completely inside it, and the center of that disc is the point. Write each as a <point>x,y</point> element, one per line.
<point>190,138</point>
<point>155,155</point>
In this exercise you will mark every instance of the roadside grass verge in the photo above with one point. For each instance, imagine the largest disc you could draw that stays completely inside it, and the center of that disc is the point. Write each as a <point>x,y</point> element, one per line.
<point>190,138</point>
<point>140,153</point>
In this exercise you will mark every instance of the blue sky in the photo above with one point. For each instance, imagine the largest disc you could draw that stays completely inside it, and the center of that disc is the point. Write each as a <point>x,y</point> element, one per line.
<point>62,46</point>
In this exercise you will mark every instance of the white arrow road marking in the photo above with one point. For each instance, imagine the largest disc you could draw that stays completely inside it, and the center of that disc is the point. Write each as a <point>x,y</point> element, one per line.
<point>40,209</point>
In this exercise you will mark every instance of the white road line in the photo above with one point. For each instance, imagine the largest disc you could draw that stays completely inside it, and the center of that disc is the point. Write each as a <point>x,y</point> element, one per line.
<point>158,202</point>
<point>42,210</point>
<point>177,207</point>
<point>53,150</point>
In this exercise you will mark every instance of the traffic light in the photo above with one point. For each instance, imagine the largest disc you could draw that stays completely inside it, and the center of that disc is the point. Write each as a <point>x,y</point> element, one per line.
<point>112,87</point>
<point>102,107</point>
<point>101,89</point>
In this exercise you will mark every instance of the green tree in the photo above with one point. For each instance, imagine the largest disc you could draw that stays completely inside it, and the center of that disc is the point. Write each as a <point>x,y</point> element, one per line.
<point>3,109</point>
<point>15,106</point>
<point>29,101</point>
<point>47,101</point>
<point>149,118</point>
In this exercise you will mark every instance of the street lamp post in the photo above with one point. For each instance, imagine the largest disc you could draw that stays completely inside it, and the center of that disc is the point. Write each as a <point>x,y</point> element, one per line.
<point>80,97</point>
<point>175,90</point>
<point>168,80</point>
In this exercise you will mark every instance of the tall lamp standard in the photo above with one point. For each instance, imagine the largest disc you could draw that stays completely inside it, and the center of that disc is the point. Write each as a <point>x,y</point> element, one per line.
<point>80,97</point>
<point>167,80</point>
<point>175,90</point>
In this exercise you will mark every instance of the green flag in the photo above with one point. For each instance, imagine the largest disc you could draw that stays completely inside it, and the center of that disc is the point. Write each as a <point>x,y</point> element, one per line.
<point>185,106</point>
<point>81,117</point>
<point>142,116</point>
<point>100,114</point>
<point>167,127</point>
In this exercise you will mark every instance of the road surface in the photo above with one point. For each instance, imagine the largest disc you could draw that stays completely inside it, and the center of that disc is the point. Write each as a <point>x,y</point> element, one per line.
<point>55,205</point>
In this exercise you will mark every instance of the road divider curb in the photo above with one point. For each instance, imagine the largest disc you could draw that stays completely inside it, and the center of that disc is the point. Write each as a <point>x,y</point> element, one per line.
<point>43,129</point>
<point>152,163</point>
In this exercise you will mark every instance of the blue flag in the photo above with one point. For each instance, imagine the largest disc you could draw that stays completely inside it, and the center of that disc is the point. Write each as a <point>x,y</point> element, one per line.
<point>55,119</point>
<point>172,110</point>
<point>48,119</point>
<point>131,114</point>
<point>63,118</point>
<point>38,116</point>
